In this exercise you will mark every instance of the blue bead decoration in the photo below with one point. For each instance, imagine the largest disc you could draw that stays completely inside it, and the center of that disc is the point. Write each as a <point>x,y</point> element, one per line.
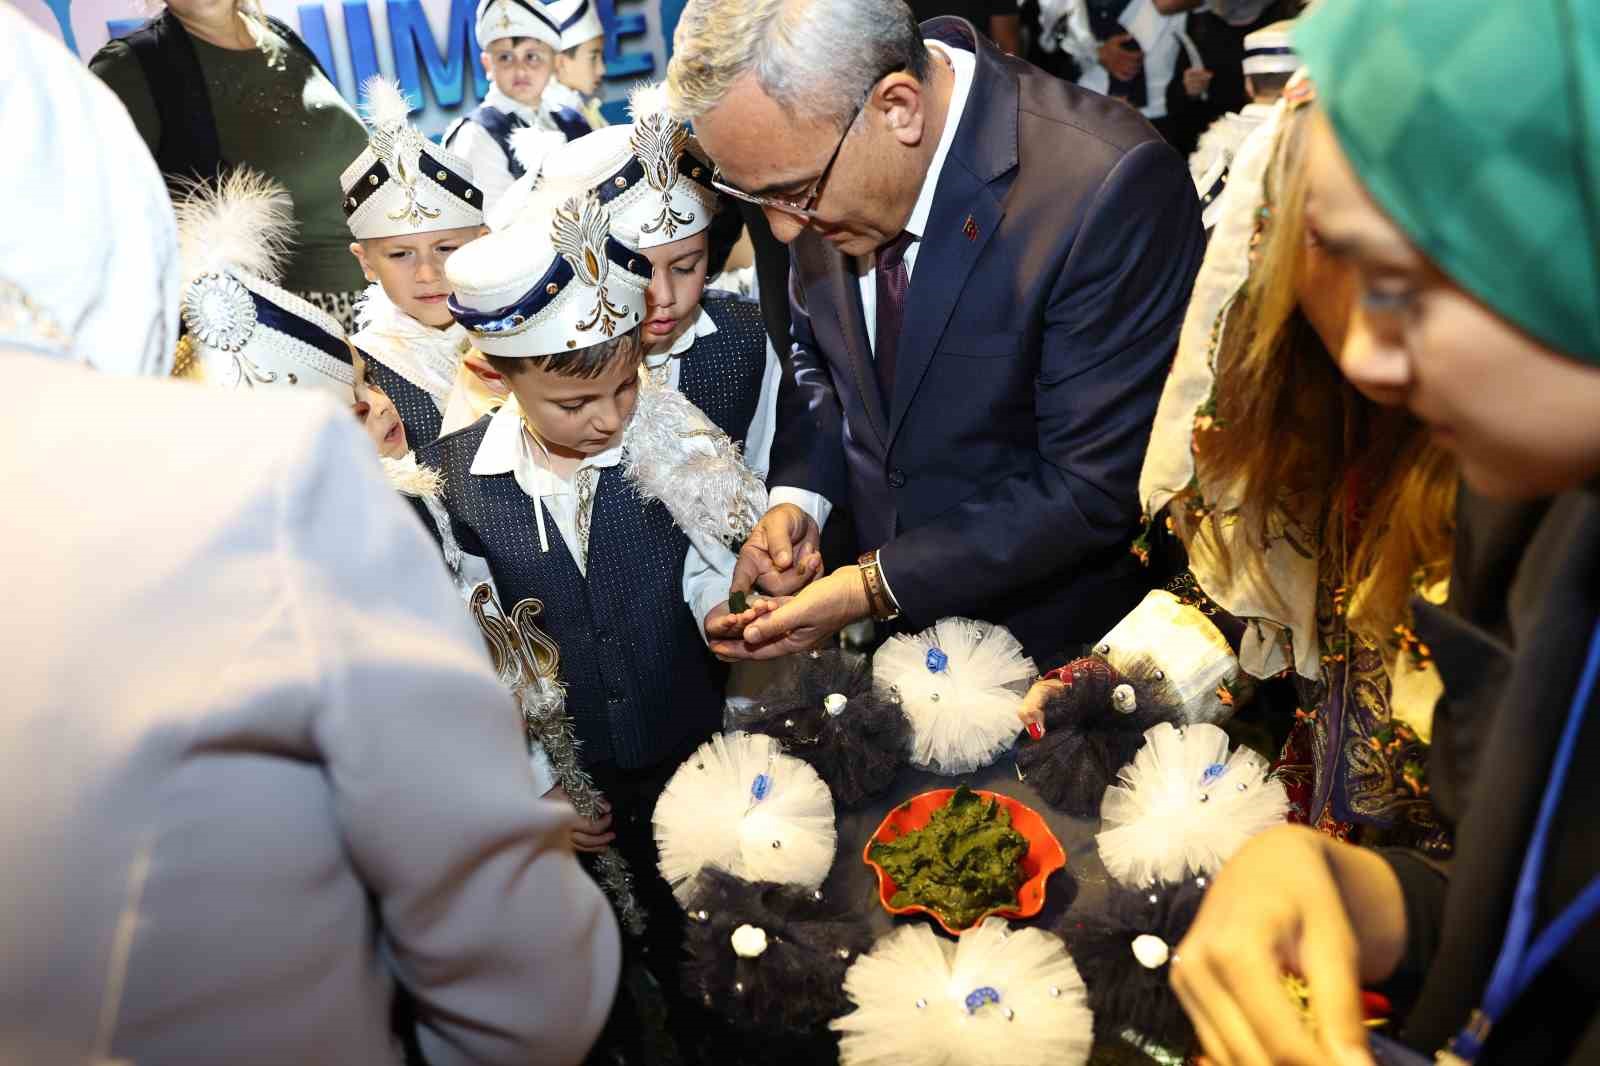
<point>938,661</point>
<point>979,996</point>
<point>1213,772</point>
<point>760,787</point>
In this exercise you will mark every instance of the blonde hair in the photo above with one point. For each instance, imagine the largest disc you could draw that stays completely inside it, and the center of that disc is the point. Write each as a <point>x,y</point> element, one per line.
<point>816,58</point>
<point>1302,453</point>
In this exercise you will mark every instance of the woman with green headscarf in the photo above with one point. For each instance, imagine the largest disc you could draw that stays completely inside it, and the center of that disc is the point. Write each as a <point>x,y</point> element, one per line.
<point>1456,165</point>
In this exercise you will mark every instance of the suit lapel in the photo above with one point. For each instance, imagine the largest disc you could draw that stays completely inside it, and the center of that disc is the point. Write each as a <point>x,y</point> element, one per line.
<point>962,221</point>
<point>966,208</point>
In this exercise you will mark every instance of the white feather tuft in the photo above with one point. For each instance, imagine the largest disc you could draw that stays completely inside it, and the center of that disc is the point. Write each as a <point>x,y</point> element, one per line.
<point>1184,805</point>
<point>646,99</point>
<point>910,994</point>
<point>674,453</point>
<point>963,715</point>
<point>243,222</point>
<point>411,478</point>
<point>384,102</point>
<point>533,146</point>
<point>707,815</point>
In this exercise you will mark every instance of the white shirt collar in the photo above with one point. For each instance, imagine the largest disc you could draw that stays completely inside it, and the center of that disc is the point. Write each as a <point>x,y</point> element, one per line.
<point>702,327</point>
<point>964,64</point>
<point>507,448</point>
<point>501,102</point>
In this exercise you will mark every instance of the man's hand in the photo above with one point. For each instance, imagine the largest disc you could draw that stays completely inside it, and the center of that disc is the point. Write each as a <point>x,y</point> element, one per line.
<point>1123,63</point>
<point>1284,902</point>
<point>781,554</point>
<point>589,835</point>
<point>1196,80</point>
<point>801,623</point>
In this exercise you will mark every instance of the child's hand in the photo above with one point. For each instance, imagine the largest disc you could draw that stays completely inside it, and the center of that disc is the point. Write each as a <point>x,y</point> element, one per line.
<point>722,624</point>
<point>588,835</point>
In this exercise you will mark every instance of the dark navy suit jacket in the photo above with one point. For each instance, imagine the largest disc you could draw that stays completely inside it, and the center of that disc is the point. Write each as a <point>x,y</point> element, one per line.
<point>1000,480</point>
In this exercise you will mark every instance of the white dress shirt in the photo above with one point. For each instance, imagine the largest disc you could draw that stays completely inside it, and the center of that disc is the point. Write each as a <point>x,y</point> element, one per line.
<point>963,64</point>
<point>491,173</point>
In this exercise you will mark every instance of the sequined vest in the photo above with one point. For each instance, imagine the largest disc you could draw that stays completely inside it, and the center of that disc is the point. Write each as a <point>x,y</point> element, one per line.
<point>639,679</point>
<point>416,408</point>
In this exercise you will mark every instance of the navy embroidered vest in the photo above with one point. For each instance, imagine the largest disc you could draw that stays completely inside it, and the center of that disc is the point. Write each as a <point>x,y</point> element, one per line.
<point>722,373</point>
<point>570,122</point>
<point>639,678</point>
<point>499,126</point>
<point>416,408</point>
<point>640,681</point>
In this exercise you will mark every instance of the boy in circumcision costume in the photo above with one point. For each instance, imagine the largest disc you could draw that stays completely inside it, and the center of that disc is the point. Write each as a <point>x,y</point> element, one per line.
<point>572,96</point>
<point>709,345</point>
<point>519,39</point>
<point>410,205</point>
<point>609,497</point>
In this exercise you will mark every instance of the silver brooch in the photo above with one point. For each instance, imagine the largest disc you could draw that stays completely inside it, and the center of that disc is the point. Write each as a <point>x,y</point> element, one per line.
<point>219,311</point>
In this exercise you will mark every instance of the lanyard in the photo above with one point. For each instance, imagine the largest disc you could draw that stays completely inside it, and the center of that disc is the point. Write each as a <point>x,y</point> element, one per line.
<point>1519,961</point>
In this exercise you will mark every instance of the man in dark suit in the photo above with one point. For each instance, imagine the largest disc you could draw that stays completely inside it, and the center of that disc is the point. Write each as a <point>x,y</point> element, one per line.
<point>990,269</point>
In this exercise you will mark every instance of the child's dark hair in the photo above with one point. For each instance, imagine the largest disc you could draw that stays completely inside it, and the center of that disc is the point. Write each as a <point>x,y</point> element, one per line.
<point>588,362</point>
<point>726,227</point>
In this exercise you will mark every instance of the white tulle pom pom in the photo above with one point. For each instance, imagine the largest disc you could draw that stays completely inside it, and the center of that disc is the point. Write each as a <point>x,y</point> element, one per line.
<point>739,803</point>
<point>996,997</point>
<point>954,684</point>
<point>1184,805</point>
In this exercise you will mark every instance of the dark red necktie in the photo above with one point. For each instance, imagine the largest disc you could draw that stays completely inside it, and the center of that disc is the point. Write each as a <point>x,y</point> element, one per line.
<point>893,279</point>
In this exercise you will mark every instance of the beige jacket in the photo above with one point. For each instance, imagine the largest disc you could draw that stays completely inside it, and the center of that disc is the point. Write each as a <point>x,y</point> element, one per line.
<point>257,768</point>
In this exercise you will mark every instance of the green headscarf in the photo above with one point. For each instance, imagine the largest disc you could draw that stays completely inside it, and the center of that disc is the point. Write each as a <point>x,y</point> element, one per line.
<point>1472,123</point>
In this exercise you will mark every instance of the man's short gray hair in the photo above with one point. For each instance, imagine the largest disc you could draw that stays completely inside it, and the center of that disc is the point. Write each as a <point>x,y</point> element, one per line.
<point>815,58</point>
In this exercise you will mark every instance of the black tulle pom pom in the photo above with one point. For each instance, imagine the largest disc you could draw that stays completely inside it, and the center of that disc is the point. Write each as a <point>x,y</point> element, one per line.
<point>1124,992</point>
<point>858,746</point>
<point>796,983</point>
<point>1093,728</point>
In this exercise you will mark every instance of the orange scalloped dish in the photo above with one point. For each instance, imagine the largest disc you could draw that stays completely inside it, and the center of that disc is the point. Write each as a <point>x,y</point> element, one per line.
<point>1044,855</point>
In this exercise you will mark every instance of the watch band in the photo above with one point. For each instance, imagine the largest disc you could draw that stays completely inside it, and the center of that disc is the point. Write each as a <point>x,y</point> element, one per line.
<point>879,601</point>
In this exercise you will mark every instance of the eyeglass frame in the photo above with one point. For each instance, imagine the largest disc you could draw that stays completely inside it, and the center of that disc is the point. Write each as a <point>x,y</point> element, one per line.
<point>806,209</point>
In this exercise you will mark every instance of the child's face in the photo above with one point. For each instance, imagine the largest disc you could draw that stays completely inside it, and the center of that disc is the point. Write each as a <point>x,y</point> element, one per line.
<point>519,68</point>
<point>583,69</point>
<point>411,269</point>
<point>381,421</point>
<point>677,278</point>
<point>577,417</point>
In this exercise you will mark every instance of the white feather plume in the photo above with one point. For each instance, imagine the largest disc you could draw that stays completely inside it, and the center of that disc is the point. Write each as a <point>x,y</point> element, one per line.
<point>1184,805</point>
<point>674,453</point>
<point>383,102</point>
<point>240,223</point>
<point>708,816</point>
<point>964,714</point>
<point>646,99</point>
<point>532,146</point>
<point>411,478</point>
<point>911,998</point>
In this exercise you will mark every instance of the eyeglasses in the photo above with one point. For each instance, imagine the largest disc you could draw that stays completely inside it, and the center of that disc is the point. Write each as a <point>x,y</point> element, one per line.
<point>804,207</point>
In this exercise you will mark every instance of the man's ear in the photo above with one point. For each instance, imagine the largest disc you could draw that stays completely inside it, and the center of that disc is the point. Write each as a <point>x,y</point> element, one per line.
<point>361,257</point>
<point>903,101</point>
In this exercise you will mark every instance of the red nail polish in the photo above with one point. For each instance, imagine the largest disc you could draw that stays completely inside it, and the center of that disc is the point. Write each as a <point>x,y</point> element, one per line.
<point>1036,730</point>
